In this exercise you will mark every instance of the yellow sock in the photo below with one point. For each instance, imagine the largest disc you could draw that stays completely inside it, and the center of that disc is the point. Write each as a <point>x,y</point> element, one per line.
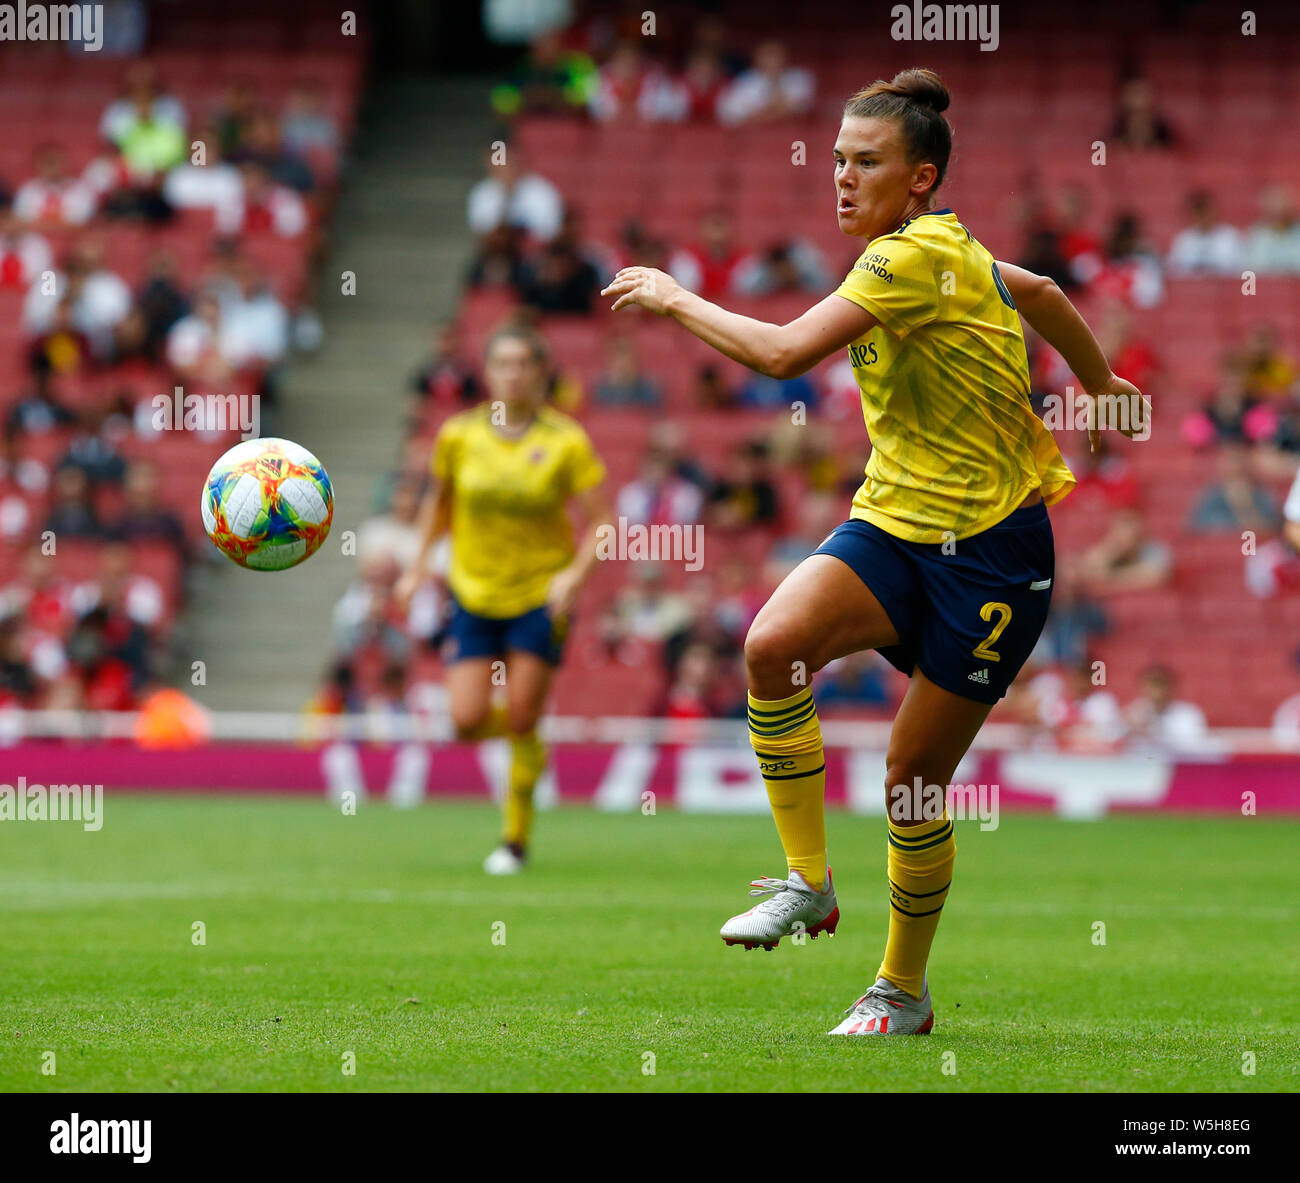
<point>920,872</point>
<point>527,762</point>
<point>788,742</point>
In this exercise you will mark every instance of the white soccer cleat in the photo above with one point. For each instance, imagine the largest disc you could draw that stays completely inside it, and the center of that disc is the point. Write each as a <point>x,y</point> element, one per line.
<point>503,861</point>
<point>792,907</point>
<point>887,1010</point>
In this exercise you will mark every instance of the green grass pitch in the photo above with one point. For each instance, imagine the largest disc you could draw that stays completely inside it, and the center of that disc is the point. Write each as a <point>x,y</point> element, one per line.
<point>374,935</point>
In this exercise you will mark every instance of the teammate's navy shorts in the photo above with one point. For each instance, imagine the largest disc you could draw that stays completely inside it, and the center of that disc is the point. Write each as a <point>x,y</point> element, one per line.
<point>967,620</point>
<point>466,635</point>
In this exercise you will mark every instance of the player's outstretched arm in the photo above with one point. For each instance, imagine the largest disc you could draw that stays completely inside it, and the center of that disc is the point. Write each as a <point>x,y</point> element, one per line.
<point>433,522</point>
<point>1050,314</point>
<point>779,351</point>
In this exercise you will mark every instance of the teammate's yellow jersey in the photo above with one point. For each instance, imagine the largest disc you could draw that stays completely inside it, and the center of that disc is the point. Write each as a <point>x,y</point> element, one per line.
<point>510,530</point>
<point>955,444</point>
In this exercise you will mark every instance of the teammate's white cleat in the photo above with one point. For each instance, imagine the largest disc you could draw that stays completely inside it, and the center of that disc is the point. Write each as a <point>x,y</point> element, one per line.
<point>504,861</point>
<point>887,1010</point>
<point>792,907</point>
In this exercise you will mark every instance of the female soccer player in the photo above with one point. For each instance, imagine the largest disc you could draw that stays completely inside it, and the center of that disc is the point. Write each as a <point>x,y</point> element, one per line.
<point>945,564</point>
<point>504,474</point>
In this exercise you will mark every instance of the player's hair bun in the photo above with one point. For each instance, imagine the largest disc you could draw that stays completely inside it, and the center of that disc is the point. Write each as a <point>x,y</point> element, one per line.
<point>920,86</point>
<point>916,98</point>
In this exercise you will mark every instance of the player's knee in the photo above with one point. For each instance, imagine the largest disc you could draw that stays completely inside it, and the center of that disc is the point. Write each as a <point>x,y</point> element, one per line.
<point>772,658</point>
<point>470,719</point>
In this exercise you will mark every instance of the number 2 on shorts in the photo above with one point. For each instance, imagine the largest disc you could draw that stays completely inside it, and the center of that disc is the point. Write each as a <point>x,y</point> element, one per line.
<point>984,650</point>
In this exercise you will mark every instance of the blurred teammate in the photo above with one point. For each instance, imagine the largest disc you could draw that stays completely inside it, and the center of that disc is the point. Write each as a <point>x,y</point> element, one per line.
<point>505,472</point>
<point>945,564</point>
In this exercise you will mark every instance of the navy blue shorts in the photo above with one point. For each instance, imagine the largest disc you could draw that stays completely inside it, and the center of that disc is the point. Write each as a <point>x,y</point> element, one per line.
<point>968,620</point>
<point>467,635</point>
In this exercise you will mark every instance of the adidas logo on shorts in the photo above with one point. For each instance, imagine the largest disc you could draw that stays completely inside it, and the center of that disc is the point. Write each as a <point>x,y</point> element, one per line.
<point>980,676</point>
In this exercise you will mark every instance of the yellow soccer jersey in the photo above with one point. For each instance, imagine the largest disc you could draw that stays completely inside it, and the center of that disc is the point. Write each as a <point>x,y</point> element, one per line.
<point>944,377</point>
<point>510,530</point>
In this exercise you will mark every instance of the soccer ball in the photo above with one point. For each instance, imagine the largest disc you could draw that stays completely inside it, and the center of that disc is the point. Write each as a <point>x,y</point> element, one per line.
<point>267,504</point>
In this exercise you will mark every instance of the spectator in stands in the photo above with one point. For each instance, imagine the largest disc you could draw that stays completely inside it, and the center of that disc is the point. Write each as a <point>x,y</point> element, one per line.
<point>1080,247</point>
<point>859,680</point>
<point>448,379</point>
<point>1126,558</point>
<point>256,323</point>
<point>1139,123</point>
<point>693,95</point>
<point>94,449</point>
<point>1286,719</point>
<point>262,145</point>
<point>144,517</point>
<point>1105,479</point>
<point>54,197</point>
<point>305,127</point>
<point>643,610</point>
<point>1042,255</point>
<point>262,206</point>
<point>1156,719</point>
<point>628,87</point>
<point>710,265</point>
<point>668,437</point>
<point>367,617</point>
<point>693,692</point>
<point>499,262</point>
<point>161,300</point>
<point>1130,268</point>
<point>236,113</point>
<point>208,181</point>
<point>38,411</point>
<point>1074,623</point>
<point>657,496</point>
<point>709,390</point>
<point>72,514</point>
<point>794,265</point>
<point>107,657</point>
<point>706,623</point>
<point>1273,243</point>
<point>393,537</point>
<point>18,685</point>
<point>141,88</point>
<point>1080,714</point>
<point>98,298</point>
<point>761,392</point>
<point>623,383</point>
<point>771,89</point>
<point>24,253</point>
<point>746,496</point>
<point>61,348</point>
<point>1206,245</point>
<point>510,195</point>
<point>1131,356</point>
<point>713,35</point>
<point>559,280</point>
<point>550,80</point>
<point>1235,501</point>
<point>198,347</point>
<point>1230,415</point>
<point>1267,372</point>
<point>817,515</point>
<point>635,248</point>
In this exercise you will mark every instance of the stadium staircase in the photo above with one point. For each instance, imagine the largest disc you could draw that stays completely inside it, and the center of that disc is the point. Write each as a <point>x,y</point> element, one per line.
<point>399,227</point>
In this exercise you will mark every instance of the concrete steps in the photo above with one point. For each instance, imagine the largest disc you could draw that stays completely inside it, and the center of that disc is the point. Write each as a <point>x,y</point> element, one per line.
<point>400,226</point>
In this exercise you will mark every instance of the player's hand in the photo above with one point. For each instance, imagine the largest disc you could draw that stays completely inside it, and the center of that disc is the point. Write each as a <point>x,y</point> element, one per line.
<point>1127,410</point>
<point>405,588</point>
<point>562,593</point>
<point>647,286</point>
